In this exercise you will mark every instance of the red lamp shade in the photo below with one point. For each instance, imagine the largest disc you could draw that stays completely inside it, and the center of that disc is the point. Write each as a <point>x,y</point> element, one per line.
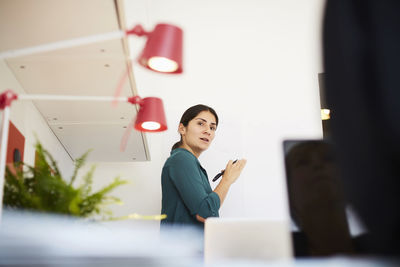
<point>163,50</point>
<point>151,116</point>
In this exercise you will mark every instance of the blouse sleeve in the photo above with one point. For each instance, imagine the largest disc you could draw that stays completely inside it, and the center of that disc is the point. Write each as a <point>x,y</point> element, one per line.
<point>189,184</point>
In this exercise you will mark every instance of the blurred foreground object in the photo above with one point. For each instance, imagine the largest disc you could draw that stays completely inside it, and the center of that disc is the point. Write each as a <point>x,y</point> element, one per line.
<point>48,240</point>
<point>316,201</point>
<point>361,57</point>
<point>246,239</point>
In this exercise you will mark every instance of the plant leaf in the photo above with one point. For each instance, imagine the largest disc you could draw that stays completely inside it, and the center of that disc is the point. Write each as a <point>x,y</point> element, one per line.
<point>79,162</point>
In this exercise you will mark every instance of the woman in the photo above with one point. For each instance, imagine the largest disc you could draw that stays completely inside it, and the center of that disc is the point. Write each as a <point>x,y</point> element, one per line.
<point>187,197</point>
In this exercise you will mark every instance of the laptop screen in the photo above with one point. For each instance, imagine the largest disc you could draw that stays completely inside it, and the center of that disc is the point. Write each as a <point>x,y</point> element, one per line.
<point>316,199</point>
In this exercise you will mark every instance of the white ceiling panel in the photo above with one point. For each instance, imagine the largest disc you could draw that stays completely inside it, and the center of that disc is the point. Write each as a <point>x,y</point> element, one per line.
<point>30,23</point>
<point>79,138</point>
<point>71,71</point>
<point>85,112</point>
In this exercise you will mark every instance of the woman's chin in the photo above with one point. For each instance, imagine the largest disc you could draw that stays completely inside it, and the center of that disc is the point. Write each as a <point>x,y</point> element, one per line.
<point>205,146</point>
<point>202,148</point>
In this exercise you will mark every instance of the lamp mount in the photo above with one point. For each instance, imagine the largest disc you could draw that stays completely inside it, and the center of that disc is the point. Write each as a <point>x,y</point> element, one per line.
<point>135,100</point>
<point>6,98</point>
<point>137,30</point>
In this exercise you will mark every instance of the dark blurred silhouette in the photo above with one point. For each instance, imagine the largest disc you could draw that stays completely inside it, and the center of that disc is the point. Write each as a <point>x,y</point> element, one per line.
<point>316,201</point>
<point>361,42</point>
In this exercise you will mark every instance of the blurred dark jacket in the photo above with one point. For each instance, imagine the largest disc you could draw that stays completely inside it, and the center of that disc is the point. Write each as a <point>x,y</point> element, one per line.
<point>361,42</point>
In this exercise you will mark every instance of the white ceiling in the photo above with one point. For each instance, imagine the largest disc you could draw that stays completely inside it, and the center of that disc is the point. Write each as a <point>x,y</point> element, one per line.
<point>94,69</point>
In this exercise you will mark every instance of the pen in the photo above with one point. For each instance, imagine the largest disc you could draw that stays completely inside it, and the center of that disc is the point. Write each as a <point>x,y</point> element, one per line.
<point>221,173</point>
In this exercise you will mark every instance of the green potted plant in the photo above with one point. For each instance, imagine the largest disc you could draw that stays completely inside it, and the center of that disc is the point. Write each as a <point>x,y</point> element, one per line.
<point>42,188</point>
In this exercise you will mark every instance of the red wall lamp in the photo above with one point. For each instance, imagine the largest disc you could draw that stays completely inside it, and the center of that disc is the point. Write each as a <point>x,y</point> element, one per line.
<point>163,49</point>
<point>151,116</point>
<point>162,52</point>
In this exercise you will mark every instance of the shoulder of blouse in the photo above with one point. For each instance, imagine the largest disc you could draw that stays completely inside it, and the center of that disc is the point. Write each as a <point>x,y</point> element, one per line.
<point>181,156</point>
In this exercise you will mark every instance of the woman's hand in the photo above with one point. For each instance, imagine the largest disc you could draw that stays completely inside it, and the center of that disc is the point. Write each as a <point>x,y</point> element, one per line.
<point>233,170</point>
<point>200,219</point>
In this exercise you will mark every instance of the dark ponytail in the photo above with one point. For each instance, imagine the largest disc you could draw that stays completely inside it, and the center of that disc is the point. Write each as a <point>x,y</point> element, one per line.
<point>177,144</point>
<point>190,114</point>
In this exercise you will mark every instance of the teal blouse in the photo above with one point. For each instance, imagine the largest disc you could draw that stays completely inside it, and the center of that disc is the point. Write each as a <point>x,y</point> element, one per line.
<point>186,190</point>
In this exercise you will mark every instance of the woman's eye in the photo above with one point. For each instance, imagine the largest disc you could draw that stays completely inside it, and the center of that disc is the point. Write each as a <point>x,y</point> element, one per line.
<point>213,128</point>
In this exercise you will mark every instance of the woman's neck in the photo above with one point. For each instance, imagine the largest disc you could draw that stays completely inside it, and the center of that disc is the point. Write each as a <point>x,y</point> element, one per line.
<point>194,152</point>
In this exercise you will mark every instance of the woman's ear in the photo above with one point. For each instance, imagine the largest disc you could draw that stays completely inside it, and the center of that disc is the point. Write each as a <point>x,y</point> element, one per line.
<point>181,129</point>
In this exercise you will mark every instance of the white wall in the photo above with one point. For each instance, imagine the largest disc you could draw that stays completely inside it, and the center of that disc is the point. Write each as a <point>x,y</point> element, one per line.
<point>257,64</point>
<point>31,124</point>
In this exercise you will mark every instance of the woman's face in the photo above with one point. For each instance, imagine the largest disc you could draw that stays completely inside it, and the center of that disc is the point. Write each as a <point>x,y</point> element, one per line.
<point>199,133</point>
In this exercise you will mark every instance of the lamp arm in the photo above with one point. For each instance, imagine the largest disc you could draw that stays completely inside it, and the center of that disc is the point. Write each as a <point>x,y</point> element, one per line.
<point>3,152</point>
<point>62,44</point>
<point>8,96</point>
